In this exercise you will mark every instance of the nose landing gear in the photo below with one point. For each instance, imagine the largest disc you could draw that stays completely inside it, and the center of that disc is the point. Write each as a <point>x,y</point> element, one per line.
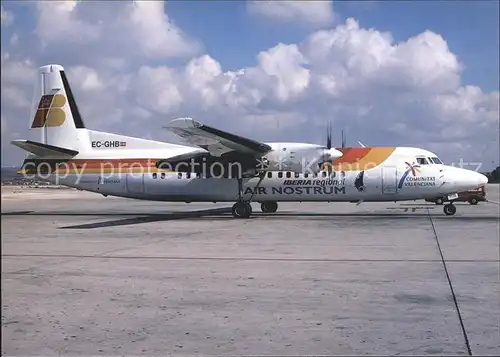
<point>449,209</point>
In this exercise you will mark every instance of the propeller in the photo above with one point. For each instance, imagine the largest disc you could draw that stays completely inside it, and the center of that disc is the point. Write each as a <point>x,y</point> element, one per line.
<point>329,153</point>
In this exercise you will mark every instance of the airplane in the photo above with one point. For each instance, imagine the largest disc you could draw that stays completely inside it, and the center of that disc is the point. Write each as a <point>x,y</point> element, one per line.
<point>220,166</point>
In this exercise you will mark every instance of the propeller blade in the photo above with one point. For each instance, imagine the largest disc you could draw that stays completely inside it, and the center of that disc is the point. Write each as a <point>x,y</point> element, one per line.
<point>329,136</point>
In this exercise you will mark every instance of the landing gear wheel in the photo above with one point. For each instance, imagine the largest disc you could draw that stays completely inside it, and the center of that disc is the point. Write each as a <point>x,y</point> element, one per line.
<point>439,201</point>
<point>241,210</point>
<point>473,201</point>
<point>449,209</point>
<point>269,207</point>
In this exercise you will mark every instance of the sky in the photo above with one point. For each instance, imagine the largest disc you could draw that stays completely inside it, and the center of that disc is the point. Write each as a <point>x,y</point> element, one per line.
<point>395,73</point>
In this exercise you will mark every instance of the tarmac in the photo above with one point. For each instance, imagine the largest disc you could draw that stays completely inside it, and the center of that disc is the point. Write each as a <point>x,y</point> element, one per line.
<point>88,275</point>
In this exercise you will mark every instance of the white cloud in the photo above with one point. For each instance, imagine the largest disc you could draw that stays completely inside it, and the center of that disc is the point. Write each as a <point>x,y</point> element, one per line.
<point>7,17</point>
<point>349,57</point>
<point>200,73</point>
<point>310,13</point>
<point>17,82</point>
<point>283,63</point>
<point>383,92</point>
<point>14,39</point>
<point>87,78</point>
<point>154,32</point>
<point>157,88</point>
<point>113,30</point>
<point>17,71</point>
<point>68,27</point>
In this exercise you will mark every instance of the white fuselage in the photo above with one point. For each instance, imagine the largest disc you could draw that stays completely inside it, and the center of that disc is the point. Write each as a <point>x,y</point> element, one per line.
<point>63,151</point>
<point>389,181</point>
<point>178,187</point>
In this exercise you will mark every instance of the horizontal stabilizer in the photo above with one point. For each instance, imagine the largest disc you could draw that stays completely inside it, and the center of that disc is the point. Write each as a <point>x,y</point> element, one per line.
<point>44,150</point>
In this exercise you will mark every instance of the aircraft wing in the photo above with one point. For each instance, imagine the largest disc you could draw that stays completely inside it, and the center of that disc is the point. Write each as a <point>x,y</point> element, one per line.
<point>215,141</point>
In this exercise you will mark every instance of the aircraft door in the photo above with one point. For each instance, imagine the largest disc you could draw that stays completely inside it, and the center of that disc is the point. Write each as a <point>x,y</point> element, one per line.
<point>135,183</point>
<point>389,180</point>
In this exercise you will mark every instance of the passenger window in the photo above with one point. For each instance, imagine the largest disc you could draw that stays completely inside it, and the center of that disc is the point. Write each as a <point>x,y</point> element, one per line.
<point>155,175</point>
<point>269,174</point>
<point>188,174</point>
<point>280,174</point>
<point>179,175</point>
<point>288,174</point>
<point>324,173</point>
<point>198,175</point>
<point>306,175</point>
<point>315,174</point>
<point>162,175</point>
<point>297,175</point>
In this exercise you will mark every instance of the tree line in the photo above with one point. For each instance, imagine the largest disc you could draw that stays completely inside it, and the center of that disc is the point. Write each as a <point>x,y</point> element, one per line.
<point>493,176</point>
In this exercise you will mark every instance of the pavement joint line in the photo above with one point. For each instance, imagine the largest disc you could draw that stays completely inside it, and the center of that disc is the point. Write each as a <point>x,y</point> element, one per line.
<point>455,301</point>
<point>326,260</point>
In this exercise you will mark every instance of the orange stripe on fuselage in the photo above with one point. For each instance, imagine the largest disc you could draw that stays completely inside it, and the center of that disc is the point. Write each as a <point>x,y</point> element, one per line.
<point>358,159</point>
<point>113,162</point>
<point>352,155</point>
<point>106,166</point>
<point>353,159</point>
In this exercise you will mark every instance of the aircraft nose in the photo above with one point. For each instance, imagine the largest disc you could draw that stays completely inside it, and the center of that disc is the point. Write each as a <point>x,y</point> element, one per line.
<point>483,179</point>
<point>468,180</point>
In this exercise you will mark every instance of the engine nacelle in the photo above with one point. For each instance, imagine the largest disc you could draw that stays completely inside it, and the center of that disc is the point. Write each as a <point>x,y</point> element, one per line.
<point>302,160</point>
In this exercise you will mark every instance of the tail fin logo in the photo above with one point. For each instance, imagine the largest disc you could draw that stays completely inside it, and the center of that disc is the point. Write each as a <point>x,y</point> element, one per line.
<point>50,112</point>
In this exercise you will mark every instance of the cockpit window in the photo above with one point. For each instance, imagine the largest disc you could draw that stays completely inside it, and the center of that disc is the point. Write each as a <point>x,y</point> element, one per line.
<point>422,161</point>
<point>437,161</point>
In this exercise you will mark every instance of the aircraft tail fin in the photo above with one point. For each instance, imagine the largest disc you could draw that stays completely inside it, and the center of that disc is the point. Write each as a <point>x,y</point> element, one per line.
<point>57,131</point>
<point>56,119</point>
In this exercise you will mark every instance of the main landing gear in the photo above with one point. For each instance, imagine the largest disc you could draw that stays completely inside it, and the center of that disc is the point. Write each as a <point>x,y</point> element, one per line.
<point>242,208</point>
<point>269,207</point>
<point>449,209</point>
